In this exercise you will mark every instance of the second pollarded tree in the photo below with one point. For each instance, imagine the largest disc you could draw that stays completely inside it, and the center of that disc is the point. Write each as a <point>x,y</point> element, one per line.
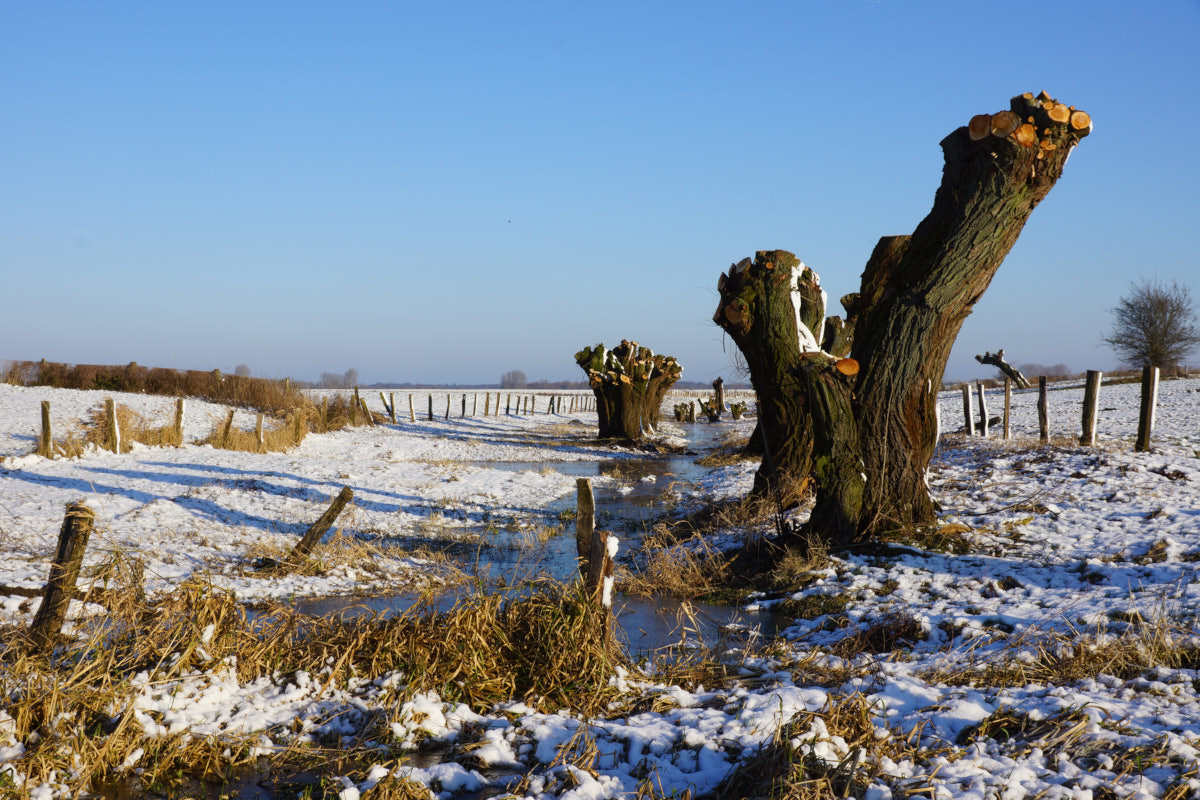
<point>629,382</point>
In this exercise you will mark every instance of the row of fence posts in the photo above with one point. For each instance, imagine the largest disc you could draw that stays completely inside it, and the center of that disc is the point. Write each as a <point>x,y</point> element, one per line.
<point>514,405</point>
<point>525,404</point>
<point>1091,405</point>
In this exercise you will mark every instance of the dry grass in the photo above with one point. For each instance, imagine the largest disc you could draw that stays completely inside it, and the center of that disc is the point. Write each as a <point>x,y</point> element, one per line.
<point>73,711</point>
<point>279,435</point>
<point>1062,658</point>
<point>790,767</point>
<point>133,428</point>
<point>893,632</point>
<point>687,571</point>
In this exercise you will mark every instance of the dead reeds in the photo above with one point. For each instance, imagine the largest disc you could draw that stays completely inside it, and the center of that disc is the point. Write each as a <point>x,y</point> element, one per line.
<point>75,711</point>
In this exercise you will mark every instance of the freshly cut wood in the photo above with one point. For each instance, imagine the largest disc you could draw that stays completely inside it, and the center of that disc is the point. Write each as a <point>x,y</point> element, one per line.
<point>847,366</point>
<point>1026,135</point>
<point>979,126</point>
<point>1004,123</point>
<point>1059,113</point>
<point>1080,121</point>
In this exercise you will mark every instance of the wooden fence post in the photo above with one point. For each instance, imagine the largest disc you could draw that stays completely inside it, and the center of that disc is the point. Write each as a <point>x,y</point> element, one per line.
<point>114,427</point>
<point>497,404</point>
<point>464,407</point>
<point>475,404</point>
<point>1091,404</point>
<point>325,414</point>
<point>60,588</point>
<point>227,430</point>
<point>585,521</point>
<point>1146,413</point>
<point>447,405</point>
<point>1043,411</point>
<point>970,425</point>
<point>431,408</point>
<point>389,408</point>
<point>46,442</point>
<point>412,416</point>
<point>354,411</point>
<point>298,425</point>
<point>178,431</point>
<point>310,539</point>
<point>487,404</point>
<point>983,412</point>
<point>507,405</point>
<point>258,433</point>
<point>367,412</point>
<point>1007,406</point>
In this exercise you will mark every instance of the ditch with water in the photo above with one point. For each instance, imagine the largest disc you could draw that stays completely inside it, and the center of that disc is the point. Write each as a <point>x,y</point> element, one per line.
<point>629,506</point>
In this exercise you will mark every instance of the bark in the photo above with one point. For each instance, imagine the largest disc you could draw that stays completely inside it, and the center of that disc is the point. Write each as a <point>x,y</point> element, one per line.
<point>629,383</point>
<point>757,311</point>
<point>917,294</point>
<point>872,418</point>
<point>996,359</point>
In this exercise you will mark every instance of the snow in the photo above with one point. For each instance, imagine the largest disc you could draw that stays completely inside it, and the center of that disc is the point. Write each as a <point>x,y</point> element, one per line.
<point>1071,548</point>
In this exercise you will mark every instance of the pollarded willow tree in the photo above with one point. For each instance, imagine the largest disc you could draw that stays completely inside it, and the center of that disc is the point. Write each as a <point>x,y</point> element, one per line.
<point>629,382</point>
<point>852,405</point>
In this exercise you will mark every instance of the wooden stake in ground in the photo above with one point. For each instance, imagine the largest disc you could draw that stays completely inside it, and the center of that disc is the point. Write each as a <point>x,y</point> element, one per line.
<point>1146,414</point>
<point>447,405</point>
<point>431,408</point>
<point>367,412</point>
<point>507,405</point>
<point>114,427</point>
<point>412,415</point>
<point>585,522</point>
<point>970,422</point>
<point>475,404</point>
<point>1007,406</point>
<point>178,432</point>
<point>310,539</point>
<point>1043,411</point>
<point>487,404</point>
<point>464,407</point>
<point>1091,397</point>
<point>227,430</point>
<point>72,541</point>
<point>983,412</point>
<point>601,565</point>
<point>389,408</point>
<point>258,434</point>
<point>325,414</point>
<point>46,442</point>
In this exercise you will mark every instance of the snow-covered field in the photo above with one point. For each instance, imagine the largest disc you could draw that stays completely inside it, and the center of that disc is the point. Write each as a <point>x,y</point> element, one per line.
<point>1071,551</point>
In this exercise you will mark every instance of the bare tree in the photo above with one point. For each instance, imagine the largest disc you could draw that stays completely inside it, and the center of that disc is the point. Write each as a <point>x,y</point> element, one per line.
<point>350,378</point>
<point>1154,326</point>
<point>513,379</point>
<point>242,371</point>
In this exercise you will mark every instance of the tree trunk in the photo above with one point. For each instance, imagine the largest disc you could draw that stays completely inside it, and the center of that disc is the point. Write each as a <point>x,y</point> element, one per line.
<point>630,383</point>
<point>916,291</point>
<point>759,314</point>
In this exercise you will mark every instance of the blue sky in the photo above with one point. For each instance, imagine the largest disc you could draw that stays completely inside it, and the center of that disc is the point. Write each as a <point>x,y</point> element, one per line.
<point>441,192</point>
